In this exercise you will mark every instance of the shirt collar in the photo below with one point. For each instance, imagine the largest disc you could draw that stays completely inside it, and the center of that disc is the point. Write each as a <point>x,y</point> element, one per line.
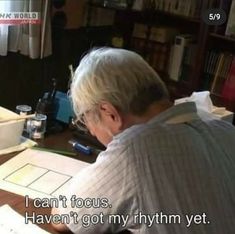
<point>183,109</point>
<point>167,115</point>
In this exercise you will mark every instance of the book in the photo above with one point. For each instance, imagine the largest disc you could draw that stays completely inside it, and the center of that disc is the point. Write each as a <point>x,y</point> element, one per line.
<point>176,55</point>
<point>228,92</point>
<point>224,5</point>
<point>140,31</point>
<point>211,63</point>
<point>188,60</point>
<point>138,44</point>
<point>99,17</point>
<point>198,8</point>
<point>230,28</point>
<point>183,8</point>
<point>221,72</point>
<point>192,8</point>
<point>138,5</point>
<point>218,74</point>
<point>159,5</point>
<point>159,56</point>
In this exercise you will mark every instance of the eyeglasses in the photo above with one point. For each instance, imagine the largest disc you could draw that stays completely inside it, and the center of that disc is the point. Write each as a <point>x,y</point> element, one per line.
<point>80,124</point>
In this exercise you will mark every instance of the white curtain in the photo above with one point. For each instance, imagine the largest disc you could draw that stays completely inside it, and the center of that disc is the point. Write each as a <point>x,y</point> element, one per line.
<point>4,7</point>
<point>33,40</point>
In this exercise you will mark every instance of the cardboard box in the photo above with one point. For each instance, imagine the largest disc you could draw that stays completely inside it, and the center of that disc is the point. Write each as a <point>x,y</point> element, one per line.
<point>11,131</point>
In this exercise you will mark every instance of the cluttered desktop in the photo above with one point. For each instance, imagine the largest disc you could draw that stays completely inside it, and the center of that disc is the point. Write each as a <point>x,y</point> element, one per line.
<point>43,149</point>
<point>39,166</point>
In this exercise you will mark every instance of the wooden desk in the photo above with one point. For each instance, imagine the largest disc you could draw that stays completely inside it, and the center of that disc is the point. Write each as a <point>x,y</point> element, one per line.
<point>17,202</point>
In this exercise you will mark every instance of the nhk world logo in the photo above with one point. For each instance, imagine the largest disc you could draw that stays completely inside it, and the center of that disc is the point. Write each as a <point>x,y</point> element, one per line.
<point>13,18</point>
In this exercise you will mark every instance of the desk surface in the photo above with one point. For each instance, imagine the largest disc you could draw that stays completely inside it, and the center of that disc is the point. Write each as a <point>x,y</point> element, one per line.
<point>16,201</point>
<point>56,141</point>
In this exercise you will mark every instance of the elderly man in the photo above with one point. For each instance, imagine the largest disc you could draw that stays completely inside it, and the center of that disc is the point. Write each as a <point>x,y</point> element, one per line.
<point>165,170</point>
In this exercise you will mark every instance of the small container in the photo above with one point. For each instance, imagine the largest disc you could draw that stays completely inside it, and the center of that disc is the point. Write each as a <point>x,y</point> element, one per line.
<point>24,110</point>
<point>36,126</point>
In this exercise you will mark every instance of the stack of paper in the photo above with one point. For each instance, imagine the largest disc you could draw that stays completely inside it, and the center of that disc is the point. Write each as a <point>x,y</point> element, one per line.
<point>13,223</point>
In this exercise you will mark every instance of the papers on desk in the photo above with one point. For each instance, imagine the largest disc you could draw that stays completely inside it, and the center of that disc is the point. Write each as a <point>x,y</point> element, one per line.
<point>39,174</point>
<point>24,144</point>
<point>13,223</point>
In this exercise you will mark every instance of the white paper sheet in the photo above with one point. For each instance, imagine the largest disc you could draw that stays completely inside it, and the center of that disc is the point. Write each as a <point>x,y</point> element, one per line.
<point>13,223</point>
<point>39,174</point>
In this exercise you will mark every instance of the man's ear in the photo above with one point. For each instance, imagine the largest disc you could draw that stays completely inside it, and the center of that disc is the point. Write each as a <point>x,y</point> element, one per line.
<point>111,117</point>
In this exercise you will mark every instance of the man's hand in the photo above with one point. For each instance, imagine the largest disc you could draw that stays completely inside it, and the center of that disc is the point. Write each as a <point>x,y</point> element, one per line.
<point>58,226</point>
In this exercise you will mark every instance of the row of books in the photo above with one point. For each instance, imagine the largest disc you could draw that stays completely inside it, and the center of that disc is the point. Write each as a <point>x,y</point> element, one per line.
<point>156,54</point>
<point>219,74</point>
<point>191,8</point>
<point>178,60</point>
<point>158,33</point>
<point>166,51</point>
<point>195,8</point>
<point>154,43</point>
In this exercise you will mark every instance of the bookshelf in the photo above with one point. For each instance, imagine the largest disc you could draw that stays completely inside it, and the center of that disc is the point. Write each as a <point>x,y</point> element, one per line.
<point>219,61</point>
<point>153,18</point>
<point>222,37</point>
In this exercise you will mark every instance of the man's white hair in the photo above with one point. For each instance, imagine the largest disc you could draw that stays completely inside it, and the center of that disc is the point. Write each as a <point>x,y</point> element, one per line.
<point>117,76</point>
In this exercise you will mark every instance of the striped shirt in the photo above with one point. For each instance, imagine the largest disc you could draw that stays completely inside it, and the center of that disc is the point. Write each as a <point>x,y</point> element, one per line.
<point>171,175</point>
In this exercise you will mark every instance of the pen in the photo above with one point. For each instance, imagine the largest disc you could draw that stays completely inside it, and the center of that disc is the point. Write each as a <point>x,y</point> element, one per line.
<point>54,151</point>
<point>81,148</point>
